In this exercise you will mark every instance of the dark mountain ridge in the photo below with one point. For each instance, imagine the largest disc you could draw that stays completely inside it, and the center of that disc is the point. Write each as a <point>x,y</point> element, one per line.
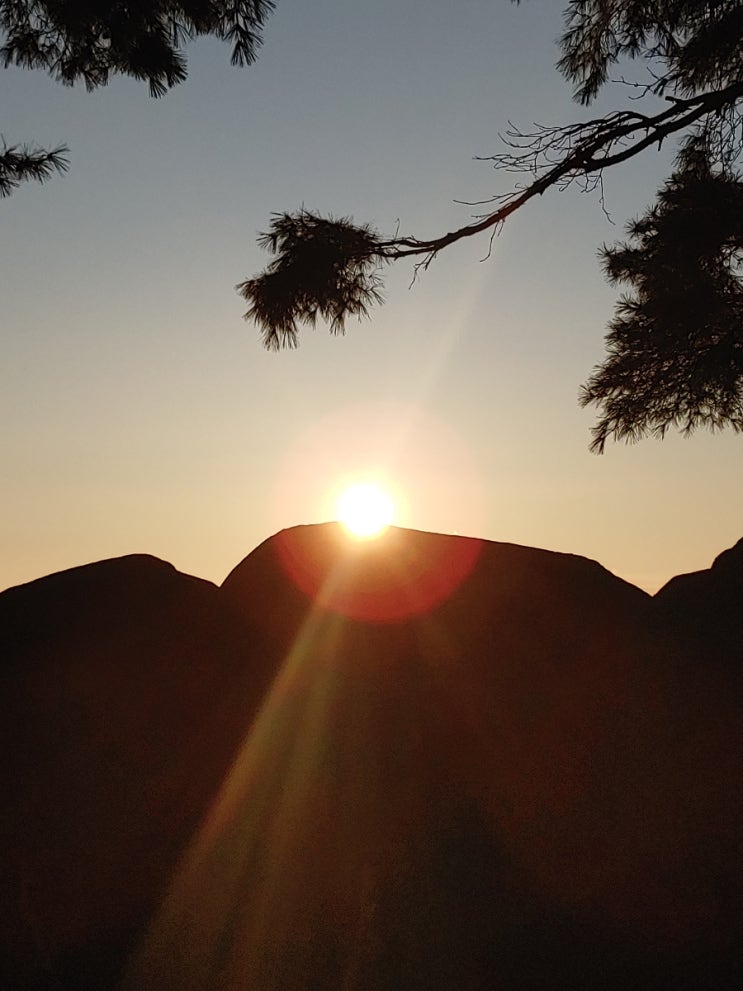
<point>422,761</point>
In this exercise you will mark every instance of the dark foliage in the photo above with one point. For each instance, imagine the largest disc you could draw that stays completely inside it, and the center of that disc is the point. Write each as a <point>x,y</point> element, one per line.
<point>676,344</point>
<point>323,267</point>
<point>92,40</point>
<point>692,44</point>
<point>685,371</point>
<point>22,164</point>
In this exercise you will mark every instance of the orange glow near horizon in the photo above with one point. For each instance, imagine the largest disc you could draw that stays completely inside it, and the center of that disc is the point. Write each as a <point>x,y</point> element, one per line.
<point>401,574</point>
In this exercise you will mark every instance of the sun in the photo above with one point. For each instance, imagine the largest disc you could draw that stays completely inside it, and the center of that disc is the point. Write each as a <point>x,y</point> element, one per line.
<point>365,509</point>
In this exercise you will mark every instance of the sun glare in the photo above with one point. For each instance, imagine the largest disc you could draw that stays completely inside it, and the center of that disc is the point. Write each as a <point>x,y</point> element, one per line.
<point>365,509</point>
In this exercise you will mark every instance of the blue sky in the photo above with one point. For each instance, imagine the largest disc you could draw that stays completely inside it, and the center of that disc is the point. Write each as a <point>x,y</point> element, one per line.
<point>140,412</point>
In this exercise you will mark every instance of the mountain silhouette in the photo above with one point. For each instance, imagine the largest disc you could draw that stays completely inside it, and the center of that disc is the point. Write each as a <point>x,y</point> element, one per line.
<point>420,761</point>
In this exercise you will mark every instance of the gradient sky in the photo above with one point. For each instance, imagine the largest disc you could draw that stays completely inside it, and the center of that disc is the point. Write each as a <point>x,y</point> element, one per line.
<point>140,413</point>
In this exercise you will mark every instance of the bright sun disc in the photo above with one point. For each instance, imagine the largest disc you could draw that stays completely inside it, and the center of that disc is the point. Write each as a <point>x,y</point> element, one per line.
<point>365,509</point>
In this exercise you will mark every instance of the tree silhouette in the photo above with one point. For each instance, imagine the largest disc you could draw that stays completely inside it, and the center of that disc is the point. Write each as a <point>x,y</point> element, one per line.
<point>676,344</point>
<point>93,40</point>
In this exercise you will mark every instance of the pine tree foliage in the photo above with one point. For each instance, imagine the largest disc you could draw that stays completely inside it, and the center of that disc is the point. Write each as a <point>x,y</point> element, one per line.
<point>674,346</point>
<point>90,41</point>
<point>693,45</point>
<point>323,267</point>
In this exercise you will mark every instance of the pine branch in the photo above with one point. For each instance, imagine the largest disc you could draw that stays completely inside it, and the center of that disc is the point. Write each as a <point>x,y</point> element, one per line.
<point>554,156</point>
<point>323,267</point>
<point>19,163</point>
<point>675,346</point>
<point>92,42</point>
<point>581,151</point>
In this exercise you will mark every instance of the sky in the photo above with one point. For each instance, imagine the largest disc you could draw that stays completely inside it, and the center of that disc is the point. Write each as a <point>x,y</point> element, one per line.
<point>140,413</point>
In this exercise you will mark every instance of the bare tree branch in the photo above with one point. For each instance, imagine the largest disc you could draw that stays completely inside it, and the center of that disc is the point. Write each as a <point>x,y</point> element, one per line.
<point>558,156</point>
<point>327,268</point>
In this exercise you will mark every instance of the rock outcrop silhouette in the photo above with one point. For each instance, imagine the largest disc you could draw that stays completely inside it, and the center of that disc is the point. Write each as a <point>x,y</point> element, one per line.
<point>705,608</point>
<point>126,691</point>
<point>421,761</point>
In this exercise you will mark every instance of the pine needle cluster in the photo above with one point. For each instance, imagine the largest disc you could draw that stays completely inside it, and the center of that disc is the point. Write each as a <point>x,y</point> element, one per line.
<point>675,345</point>
<point>92,40</point>
<point>19,163</point>
<point>324,267</point>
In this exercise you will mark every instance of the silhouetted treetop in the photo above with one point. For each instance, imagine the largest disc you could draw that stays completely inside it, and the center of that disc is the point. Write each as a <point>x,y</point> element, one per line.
<point>692,44</point>
<point>675,345</point>
<point>669,363</point>
<point>90,41</point>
